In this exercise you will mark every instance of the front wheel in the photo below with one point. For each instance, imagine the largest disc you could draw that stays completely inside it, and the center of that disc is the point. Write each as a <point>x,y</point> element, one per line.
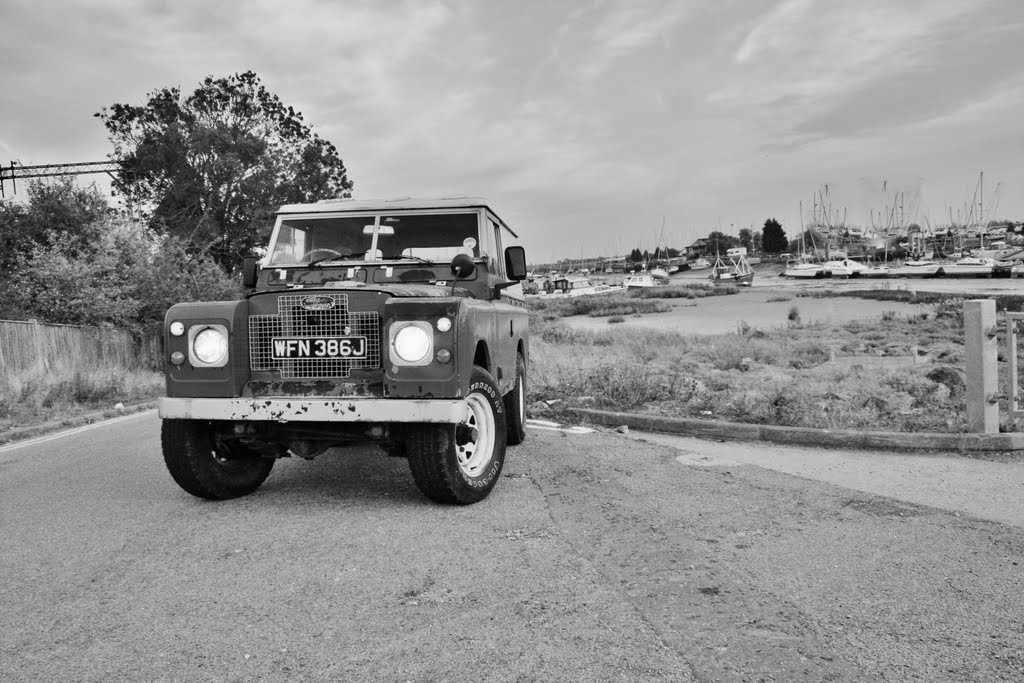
<point>515,405</point>
<point>208,467</point>
<point>461,463</point>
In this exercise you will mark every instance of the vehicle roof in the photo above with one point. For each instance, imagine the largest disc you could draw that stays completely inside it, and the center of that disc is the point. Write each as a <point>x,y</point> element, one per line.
<point>394,204</point>
<point>334,205</point>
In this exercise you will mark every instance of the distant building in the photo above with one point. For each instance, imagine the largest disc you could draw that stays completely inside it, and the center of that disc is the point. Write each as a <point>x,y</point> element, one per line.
<point>698,248</point>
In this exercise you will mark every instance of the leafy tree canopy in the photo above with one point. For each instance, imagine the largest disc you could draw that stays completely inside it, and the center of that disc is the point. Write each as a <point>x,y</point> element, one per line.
<point>719,243</point>
<point>747,238</point>
<point>211,168</point>
<point>57,213</point>
<point>773,237</point>
<point>128,277</point>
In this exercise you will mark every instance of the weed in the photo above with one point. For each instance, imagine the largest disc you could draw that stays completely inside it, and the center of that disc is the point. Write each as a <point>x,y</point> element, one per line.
<point>794,314</point>
<point>616,319</point>
<point>777,299</point>
<point>697,290</point>
<point>37,396</point>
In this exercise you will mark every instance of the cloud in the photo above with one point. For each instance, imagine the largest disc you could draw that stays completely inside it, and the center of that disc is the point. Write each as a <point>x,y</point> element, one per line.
<point>626,27</point>
<point>774,30</point>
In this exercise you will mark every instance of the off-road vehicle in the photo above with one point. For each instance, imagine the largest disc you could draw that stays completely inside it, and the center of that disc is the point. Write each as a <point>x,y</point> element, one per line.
<point>400,322</point>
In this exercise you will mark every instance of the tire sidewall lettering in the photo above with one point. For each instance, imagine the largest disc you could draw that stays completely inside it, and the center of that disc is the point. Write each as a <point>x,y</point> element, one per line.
<point>488,391</point>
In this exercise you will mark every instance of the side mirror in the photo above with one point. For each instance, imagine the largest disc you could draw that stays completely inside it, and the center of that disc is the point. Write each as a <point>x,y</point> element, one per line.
<point>463,266</point>
<point>515,263</point>
<point>250,271</point>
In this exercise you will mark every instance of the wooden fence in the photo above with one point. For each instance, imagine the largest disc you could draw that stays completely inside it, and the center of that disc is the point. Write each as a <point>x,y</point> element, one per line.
<point>27,346</point>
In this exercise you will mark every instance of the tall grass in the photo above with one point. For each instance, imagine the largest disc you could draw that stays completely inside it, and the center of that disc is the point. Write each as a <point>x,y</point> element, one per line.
<point>39,396</point>
<point>597,306</point>
<point>696,290</point>
<point>779,377</point>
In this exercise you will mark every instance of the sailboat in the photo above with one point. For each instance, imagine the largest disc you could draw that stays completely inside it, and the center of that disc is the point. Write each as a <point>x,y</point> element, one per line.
<point>802,268</point>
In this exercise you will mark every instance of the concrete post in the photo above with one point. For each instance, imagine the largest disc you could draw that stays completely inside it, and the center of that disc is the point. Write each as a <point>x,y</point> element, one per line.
<point>981,349</point>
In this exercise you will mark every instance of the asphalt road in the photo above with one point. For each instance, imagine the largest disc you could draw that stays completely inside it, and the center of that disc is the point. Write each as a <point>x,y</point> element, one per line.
<point>597,557</point>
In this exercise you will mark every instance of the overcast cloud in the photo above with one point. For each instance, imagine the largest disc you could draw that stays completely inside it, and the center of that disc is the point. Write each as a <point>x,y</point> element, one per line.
<point>587,124</point>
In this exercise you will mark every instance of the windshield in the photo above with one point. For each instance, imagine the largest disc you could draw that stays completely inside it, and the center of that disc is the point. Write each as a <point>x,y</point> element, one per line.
<point>328,239</point>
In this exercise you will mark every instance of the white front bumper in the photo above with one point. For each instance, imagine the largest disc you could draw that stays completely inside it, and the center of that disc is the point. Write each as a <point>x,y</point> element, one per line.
<point>446,411</point>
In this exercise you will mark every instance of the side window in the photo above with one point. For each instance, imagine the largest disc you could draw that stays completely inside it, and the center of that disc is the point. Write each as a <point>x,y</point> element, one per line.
<point>497,260</point>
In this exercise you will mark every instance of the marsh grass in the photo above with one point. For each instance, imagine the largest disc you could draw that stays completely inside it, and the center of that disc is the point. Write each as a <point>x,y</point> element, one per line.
<point>782,376</point>
<point>598,306</point>
<point>696,290</point>
<point>38,396</point>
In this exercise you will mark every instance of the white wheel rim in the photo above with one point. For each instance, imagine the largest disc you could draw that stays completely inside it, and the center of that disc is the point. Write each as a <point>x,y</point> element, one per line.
<point>522,399</point>
<point>474,456</point>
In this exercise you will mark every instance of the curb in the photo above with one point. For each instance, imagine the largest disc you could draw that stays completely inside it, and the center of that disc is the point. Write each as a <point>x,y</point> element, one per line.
<point>804,436</point>
<point>23,433</point>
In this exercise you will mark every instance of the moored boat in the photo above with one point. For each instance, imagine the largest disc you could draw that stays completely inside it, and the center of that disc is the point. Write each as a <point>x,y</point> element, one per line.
<point>573,286</point>
<point>845,267</point>
<point>917,268</point>
<point>639,281</point>
<point>970,266</point>
<point>803,270</point>
<point>659,274</point>
<point>737,272</point>
<point>876,271</point>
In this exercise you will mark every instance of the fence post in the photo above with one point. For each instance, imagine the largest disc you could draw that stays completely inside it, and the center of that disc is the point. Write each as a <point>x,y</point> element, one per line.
<point>981,349</point>
<point>42,358</point>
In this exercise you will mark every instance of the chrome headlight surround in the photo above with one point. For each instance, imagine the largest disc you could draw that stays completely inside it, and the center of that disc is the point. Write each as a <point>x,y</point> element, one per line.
<point>411,343</point>
<point>208,346</point>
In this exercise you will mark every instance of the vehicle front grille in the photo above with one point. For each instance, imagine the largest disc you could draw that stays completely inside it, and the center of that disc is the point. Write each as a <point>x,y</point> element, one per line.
<point>292,320</point>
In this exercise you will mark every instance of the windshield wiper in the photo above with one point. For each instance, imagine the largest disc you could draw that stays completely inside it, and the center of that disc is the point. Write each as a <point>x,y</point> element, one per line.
<point>418,259</point>
<point>334,257</point>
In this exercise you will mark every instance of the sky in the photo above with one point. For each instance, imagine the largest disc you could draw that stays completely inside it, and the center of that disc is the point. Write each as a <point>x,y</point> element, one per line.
<point>592,127</point>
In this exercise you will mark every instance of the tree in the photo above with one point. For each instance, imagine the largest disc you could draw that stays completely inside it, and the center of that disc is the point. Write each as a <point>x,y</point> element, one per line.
<point>773,237</point>
<point>757,242</point>
<point>809,240</point>
<point>128,277</point>
<point>719,243</point>
<point>213,167</point>
<point>58,212</point>
<point>636,256</point>
<point>747,238</point>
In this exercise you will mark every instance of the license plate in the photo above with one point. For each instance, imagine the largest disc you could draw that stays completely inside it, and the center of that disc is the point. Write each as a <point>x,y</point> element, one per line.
<point>319,347</point>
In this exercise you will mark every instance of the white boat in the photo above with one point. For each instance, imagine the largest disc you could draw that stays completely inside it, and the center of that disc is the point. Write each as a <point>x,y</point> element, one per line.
<point>970,266</point>
<point>737,271</point>
<point>572,286</point>
<point>876,271</point>
<point>700,264</point>
<point>921,268</point>
<point>845,267</point>
<point>804,270</point>
<point>639,281</point>
<point>659,274</point>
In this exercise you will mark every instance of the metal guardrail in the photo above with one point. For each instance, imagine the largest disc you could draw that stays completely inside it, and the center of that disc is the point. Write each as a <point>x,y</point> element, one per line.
<point>1011,360</point>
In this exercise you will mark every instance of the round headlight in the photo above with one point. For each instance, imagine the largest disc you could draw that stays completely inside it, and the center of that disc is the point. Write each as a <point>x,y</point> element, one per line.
<point>177,328</point>
<point>210,345</point>
<point>412,343</point>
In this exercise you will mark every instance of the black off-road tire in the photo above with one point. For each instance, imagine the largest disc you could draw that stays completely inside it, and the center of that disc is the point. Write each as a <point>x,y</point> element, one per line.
<point>206,471</point>
<point>515,405</point>
<point>434,452</point>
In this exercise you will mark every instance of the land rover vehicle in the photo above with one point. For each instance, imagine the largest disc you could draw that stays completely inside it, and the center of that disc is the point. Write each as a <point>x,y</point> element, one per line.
<point>400,322</point>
